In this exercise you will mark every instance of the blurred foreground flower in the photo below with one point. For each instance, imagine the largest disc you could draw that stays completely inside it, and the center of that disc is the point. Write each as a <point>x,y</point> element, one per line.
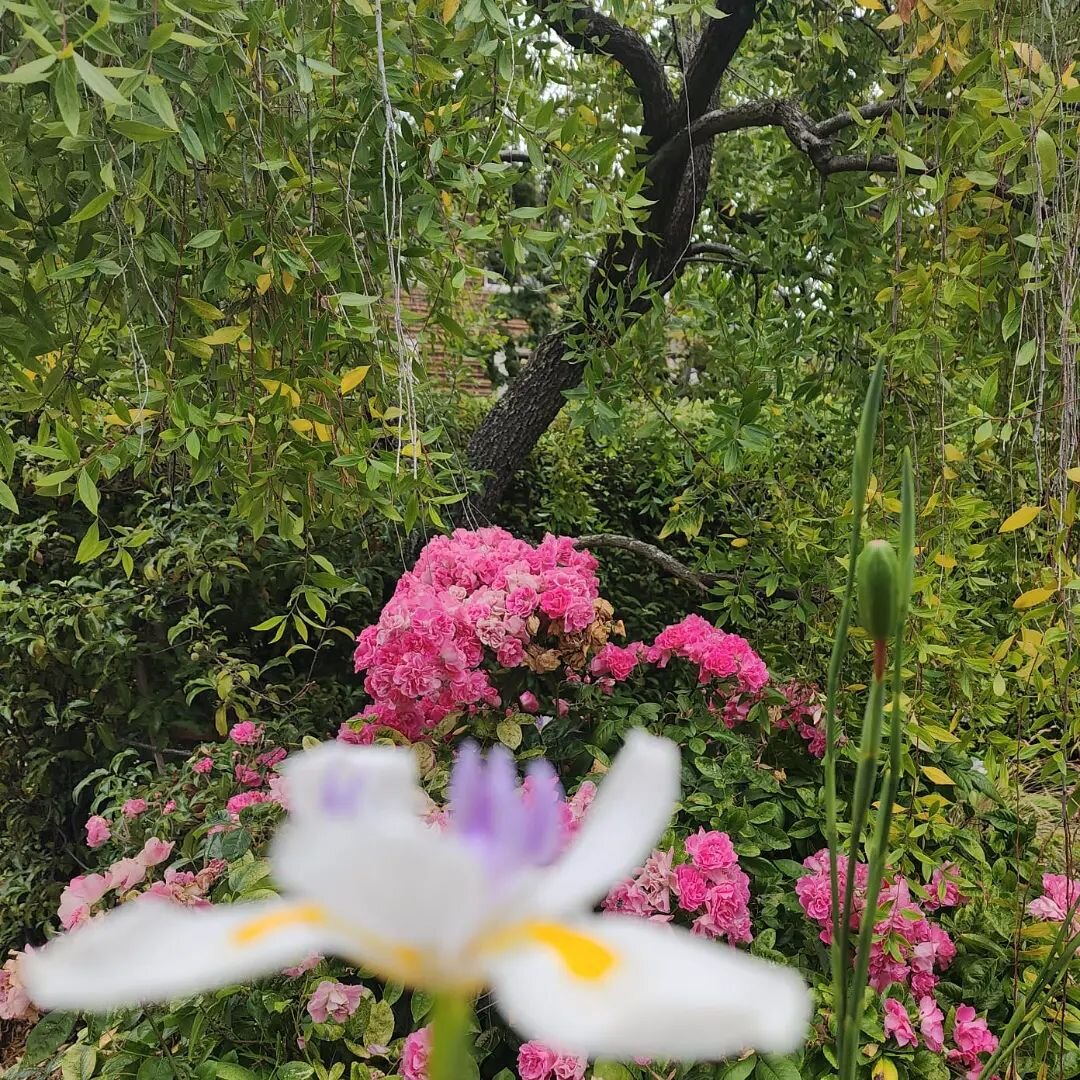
<point>485,903</point>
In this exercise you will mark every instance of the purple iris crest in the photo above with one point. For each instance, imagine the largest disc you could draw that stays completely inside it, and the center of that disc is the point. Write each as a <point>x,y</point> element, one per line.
<point>341,793</point>
<point>512,826</point>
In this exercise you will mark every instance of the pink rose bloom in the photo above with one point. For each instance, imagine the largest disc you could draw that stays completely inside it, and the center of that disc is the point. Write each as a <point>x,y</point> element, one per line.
<point>522,603</point>
<point>415,1053</point>
<point>15,1003</point>
<point>272,757</point>
<point>931,1024</point>
<point>348,734</point>
<point>690,887</point>
<point>245,733</point>
<point>169,807</point>
<point>133,808</point>
<point>898,1024</point>
<point>535,1061</point>
<point>562,707</point>
<point>1059,895</point>
<point>125,874</point>
<point>203,765</point>
<point>529,702</point>
<point>80,894</point>
<point>711,851</point>
<point>242,801</point>
<point>570,1068</point>
<point>554,602</point>
<point>971,1035</point>
<point>247,776</point>
<point>303,967</point>
<point>97,831</point>
<point>155,851</point>
<point>335,1001</point>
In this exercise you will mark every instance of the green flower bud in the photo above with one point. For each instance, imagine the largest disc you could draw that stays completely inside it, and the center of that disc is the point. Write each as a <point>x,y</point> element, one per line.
<point>878,570</point>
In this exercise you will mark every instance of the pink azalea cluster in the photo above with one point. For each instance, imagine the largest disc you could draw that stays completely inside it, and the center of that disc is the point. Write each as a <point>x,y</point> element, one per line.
<point>470,597</point>
<point>711,883</point>
<point>415,1053</point>
<point>85,890</point>
<point>723,660</point>
<point>15,1003</point>
<point>539,1062</point>
<point>335,1001</point>
<point>1060,893</point>
<point>906,949</point>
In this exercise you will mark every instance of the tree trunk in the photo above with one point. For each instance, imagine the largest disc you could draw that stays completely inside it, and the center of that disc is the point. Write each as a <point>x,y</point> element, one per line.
<point>511,429</point>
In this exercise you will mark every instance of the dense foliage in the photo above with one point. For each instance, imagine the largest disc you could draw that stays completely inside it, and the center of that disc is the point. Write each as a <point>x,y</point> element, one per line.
<point>220,446</point>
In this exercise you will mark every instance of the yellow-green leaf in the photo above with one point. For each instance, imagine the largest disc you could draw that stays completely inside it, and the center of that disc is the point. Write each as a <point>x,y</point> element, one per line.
<point>1073,474</point>
<point>884,1070</point>
<point>1024,516</point>
<point>97,82</point>
<point>1047,151</point>
<point>449,9</point>
<point>224,335</point>
<point>284,389</point>
<point>1032,598</point>
<point>7,498</point>
<point>352,379</point>
<point>202,308</point>
<point>936,776</point>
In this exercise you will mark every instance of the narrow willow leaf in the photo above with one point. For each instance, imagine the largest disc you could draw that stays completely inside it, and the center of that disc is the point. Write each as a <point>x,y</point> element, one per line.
<point>1024,516</point>
<point>66,92</point>
<point>97,82</point>
<point>35,71</point>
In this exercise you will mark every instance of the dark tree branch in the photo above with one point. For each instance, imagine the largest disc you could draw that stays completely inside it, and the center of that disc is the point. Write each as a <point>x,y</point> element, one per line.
<point>724,251</point>
<point>715,51</point>
<point>591,31</point>
<point>697,579</point>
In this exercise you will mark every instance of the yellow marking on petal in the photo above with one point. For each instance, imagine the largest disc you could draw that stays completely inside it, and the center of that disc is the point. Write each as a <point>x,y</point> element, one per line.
<point>584,957</point>
<point>302,915</point>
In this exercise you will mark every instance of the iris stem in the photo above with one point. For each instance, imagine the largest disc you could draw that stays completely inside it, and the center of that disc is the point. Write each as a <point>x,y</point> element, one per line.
<point>449,1038</point>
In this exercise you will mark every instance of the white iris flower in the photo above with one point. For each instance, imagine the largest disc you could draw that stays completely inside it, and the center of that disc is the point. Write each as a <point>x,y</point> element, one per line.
<point>487,903</point>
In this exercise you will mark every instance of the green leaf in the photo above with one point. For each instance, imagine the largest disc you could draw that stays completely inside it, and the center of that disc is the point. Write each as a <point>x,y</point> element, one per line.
<point>228,1070</point>
<point>155,1068</point>
<point>162,105</point>
<point>380,1027</point>
<point>771,1067</point>
<point>7,498</point>
<point>35,71</point>
<point>49,1034</point>
<point>1047,152</point>
<point>97,82</point>
<point>93,207</point>
<point>204,240</point>
<point>7,192</point>
<point>91,545</point>
<point>141,132</point>
<point>509,732</point>
<point>160,35</point>
<point>66,92</point>
<point>88,492</point>
<point>739,1070</point>
<point>78,1063</point>
<point>611,1070</point>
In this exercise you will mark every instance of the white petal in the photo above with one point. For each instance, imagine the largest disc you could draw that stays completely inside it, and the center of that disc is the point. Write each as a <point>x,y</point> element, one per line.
<point>154,950</point>
<point>396,881</point>
<point>631,809</point>
<point>349,782</point>
<point>645,989</point>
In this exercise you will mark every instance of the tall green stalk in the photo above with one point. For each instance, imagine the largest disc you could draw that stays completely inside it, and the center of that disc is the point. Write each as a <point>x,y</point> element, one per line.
<point>449,1038</point>
<point>879,845</point>
<point>860,477</point>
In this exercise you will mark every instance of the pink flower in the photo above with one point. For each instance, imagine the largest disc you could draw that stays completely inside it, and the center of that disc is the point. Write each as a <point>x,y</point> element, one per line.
<point>711,851</point>
<point>303,967</point>
<point>570,1068</point>
<point>529,702</point>
<point>334,1000</point>
<point>133,808</point>
<point>97,831</point>
<point>272,757</point>
<point>943,890</point>
<point>203,765</point>
<point>125,874</point>
<point>971,1035</point>
<point>690,887</point>
<point>931,1024</point>
<point>898,1024</point>
<point>15,1003</point>
<point>247,776</point>
<point>1059,895</point>
<point>169,807</point>
<point>155,851</point>
<point>535,1061</point>
<point>79,896</point>
<point>245,799</point>
<point>554,602</point>
<point>617,662</point>
<point>415,1053</point>
<point>245,733</point>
